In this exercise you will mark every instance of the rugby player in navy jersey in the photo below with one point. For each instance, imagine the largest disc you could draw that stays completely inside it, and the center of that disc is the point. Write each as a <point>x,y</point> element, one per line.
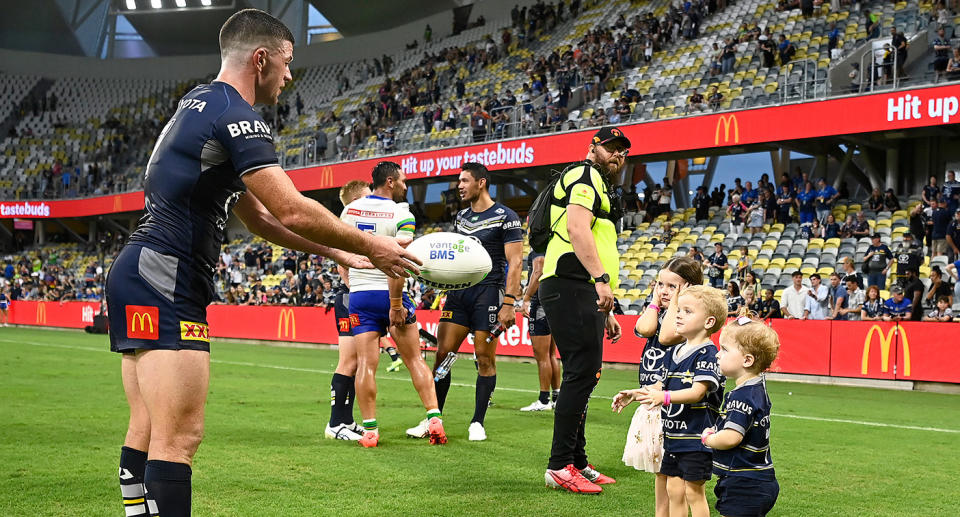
<point>478,309</point>
<point>214,156</point>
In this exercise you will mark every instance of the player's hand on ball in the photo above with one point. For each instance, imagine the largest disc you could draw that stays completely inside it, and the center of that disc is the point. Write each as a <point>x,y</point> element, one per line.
<point>604,297</point>
<point>507,316</point>
<point>389,256</point>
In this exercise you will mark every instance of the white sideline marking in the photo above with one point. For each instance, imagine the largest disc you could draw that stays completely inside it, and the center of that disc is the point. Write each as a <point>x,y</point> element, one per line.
<point>519,390</point>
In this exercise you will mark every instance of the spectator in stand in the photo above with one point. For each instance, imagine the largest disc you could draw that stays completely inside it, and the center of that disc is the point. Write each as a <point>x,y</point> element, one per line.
<point>942,311</point>
<point>837,296</point>
<point>716,264</point>
<point>918,223</point>
<point>900,45</point>
<point>954,271</point>
<point>786,50</point>
<point>872,23</point>
<point>890,201</point>
<point>812,230</point>
<point>631,207</point>
<point>695,254</point>
<point>769,307</point>
<point>794,298</point>
<point>767,49</point>
<point>666,195</point>
<point>872,309</point>
<point>875,201</point>
<point>854,76</point>
<point>694,102</point>
<point>715,98</point>
<point>736,211</point>
<point>849,226</point>
<point>756,213</point>
<point>826,197</point>
<point>931,191</point>
<point>847,269</point>
<point>831,229</point>
<point>728,58</point>
<point>743,263</point>
<point>913,289</point>
<point>953,237</point>
<point>785,199</point>
<point>909,257</point>
<point>751,302</point>
<point>833,38</point>
<point>861,227</point>
<point>897,308</point>
<point>817,306</point>
<point>806,203</point>
<point>938,221</point>
<point>951,191</point>
<point>734,300</point>
<point>701,205</point>
<point>939,287</point>
<point>750,283</point>
<point>953,66</point>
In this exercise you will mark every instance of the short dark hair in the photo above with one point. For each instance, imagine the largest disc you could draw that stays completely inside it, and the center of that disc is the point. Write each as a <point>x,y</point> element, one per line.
<point>815,275</point>
<point>478,171</point>
<point>383,171</point>
<point>252,26</point>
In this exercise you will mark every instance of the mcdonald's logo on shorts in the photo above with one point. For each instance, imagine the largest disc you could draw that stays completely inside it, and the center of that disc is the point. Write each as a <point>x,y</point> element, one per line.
<point>41,313</point>
<point>193,331</point>
<point>343,324</point>
<point>287,324</point>
<point>143,322</point>
<point>728,122</point>
<point>885,343</point>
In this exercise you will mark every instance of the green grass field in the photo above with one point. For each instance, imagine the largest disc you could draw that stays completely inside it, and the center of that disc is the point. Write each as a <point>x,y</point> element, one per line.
<point>838,451</point>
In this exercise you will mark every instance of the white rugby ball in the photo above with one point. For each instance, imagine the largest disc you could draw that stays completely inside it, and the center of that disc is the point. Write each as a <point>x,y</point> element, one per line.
<point>451,261</point>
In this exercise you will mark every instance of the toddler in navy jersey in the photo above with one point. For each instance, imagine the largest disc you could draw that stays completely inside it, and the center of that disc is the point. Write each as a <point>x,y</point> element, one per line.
<point>747,485</point>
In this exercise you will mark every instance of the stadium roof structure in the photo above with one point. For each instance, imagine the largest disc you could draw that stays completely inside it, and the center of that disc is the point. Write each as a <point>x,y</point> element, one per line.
<point>187,27</point>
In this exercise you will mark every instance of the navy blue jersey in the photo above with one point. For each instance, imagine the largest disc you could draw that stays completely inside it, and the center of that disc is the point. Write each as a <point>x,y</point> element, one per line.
<point>495,226</point>
<point>651,365</point>
<point>746,410</point>
<point>535,297</point>
<point>193,179</point>
<point>683,423</point>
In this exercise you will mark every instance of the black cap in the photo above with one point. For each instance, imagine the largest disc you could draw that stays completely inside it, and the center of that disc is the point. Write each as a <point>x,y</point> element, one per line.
<point>608,134</point>
<point>896,290</point>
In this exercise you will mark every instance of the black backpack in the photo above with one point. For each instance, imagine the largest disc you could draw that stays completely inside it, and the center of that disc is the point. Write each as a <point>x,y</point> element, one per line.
<point>539,228</point>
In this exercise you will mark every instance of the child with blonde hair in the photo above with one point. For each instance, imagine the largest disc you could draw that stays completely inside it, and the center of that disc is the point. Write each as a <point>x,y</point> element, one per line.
<point>690,397</point>
<point>740,441</point>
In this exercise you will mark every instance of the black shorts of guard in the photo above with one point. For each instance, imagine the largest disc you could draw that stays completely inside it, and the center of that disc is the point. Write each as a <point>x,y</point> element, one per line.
<point>341,313</point>
<point>539,326</point>
<point>156,303</point>
<point>690,466</point>
<point>475,307</point>
<point>739,496</point>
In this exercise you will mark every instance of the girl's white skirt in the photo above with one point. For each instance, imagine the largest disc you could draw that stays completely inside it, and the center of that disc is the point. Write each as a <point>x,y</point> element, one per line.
<point>644,448</point>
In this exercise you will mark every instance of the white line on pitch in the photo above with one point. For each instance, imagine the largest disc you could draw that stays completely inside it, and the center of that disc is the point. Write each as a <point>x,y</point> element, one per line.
<point>520,390</point>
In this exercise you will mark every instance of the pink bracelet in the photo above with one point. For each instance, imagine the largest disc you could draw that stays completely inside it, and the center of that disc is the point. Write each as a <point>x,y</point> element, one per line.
<point>655,307</point>
<point>666,398</point>
<point>709,432</point>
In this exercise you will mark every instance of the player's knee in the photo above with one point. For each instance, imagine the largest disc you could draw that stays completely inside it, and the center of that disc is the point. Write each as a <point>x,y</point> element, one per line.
<point>693,491</point>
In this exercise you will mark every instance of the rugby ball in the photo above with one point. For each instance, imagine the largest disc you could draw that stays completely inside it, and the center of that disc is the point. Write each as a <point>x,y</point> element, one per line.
<point>451,261</point>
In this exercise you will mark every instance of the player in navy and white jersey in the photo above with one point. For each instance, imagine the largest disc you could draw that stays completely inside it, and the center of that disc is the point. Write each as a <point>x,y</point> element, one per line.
<point>478,309</point>
<point>216,154</point>
<point>544,347</point>
<point>379,304</point>
<point>747,483</point>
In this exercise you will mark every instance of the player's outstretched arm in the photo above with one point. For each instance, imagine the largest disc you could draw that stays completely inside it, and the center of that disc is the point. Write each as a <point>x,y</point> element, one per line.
<point>310,220</point>
<point>261,222</point>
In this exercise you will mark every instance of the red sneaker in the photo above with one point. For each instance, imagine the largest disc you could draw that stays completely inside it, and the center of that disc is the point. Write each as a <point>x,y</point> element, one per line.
<point>570,479</point>
<point>370,439</point>
<point>595,477</point>
<point>435,429</point>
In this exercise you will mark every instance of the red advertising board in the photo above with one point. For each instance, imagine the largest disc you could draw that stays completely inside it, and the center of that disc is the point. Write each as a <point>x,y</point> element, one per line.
<point>914,351</point>
<point>899,110</point>
<point>804,347</point>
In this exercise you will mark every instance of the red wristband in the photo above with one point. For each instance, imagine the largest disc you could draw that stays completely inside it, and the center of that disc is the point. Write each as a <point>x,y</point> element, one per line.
<point>655,307</point>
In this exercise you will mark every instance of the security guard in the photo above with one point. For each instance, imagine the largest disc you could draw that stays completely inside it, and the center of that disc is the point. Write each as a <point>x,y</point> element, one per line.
<point>580,271</point>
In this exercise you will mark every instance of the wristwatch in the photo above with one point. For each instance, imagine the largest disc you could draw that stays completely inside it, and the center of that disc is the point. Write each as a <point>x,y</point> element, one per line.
<point>604,278</point>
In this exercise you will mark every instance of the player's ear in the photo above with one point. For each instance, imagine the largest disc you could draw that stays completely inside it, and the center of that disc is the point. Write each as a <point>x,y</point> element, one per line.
<point>260,58</point>
<point>709,322</point>
<point>748,360</point>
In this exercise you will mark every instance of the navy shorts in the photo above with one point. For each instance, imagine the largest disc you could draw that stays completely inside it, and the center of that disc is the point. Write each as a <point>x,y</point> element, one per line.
<point>690,466</point>
<point>370,311</point>
<point>156,303</point>
<point>739,496</point>
<point>476,307</point>
<point>539,326</point>
<point>341,312</point>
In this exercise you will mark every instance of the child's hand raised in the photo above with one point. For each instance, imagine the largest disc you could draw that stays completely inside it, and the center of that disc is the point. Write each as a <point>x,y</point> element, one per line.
<point>650,396</point>
<point>622,400</point>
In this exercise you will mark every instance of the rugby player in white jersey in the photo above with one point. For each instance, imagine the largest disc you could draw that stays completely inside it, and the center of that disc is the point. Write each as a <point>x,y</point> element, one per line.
<point>378,303</point>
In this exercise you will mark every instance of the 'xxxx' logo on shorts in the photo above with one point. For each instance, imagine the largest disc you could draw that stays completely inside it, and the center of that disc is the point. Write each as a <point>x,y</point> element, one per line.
<point>192,331</point>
